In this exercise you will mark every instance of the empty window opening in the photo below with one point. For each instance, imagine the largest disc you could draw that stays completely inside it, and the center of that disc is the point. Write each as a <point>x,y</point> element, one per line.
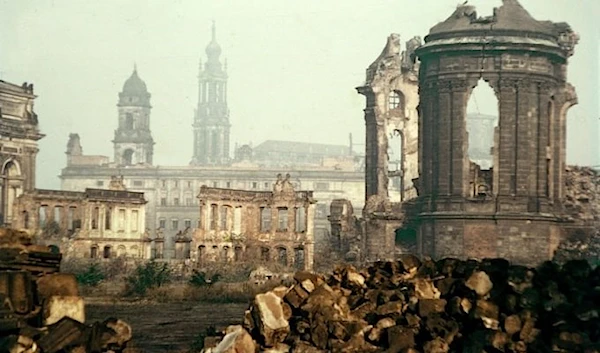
<point>187,223</point>
<point>58,214</point>
<point>121,251</point>
<point>300,219</point>
<point>395,100</point>
<point>174,224</point>
<point>224,217</point>
<point>94,252</point>
<point>121,220</point>
<point>265,219</point>
<point>43,215</point>
<point>71,218</point>
<point>482,122</point>
<point>107,218</point>
<point>163,201</point>
<point>106,253</point>
<point>282,256</point>
<point>95,217</point>
<point>25,219</point>
<point>128,157</point>
<point>282,219</point>
<point>238,253</point>
<point>237,220</point>
<point>201,253</point>
<point>213,216</point>
<point>299,258</point>
<point>396,166</point>
<point>406,240</point>
<point>176,201</point>
<point>162,223</point>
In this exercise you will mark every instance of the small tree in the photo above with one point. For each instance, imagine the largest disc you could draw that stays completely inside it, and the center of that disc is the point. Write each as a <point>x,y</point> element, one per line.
<point>149,275</point>
<point>91,277</point>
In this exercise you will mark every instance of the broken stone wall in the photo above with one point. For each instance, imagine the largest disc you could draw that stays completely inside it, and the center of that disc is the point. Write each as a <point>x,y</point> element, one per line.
<point>257,226</point>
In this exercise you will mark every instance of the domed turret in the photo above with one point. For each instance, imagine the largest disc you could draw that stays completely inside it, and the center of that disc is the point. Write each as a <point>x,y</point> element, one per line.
<point>135,92</point>
<point>134,84</point>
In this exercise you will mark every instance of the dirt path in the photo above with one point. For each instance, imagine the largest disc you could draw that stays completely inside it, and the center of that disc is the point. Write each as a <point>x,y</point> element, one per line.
<point>165,327</point>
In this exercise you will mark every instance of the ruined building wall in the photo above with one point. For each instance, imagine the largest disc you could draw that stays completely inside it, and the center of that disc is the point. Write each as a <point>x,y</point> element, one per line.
<point>256,226</point>
<point>524,61</point>
<point>91,224</point>
<point>19,133</point>
<point>392,144</point>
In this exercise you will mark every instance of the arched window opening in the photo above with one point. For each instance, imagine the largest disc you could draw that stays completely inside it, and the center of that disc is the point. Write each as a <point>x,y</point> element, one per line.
<point>134,251</point>
<point>396,166</point>
<point>214,209</point>
<point>121,251</point>
<point>58,214</point>
<point>406,240</point>
<point>282,256</point>
<point>550,123</point>
<point>225,218</point>
<point>395,100</point>
<point>128,157</point>
<point>25,219</point>
<point>482,123</point>
<point>107,252</point>
<point>237,220</point>
<point>129,121</point>
<point>264,254</point>
<point>299,258</point>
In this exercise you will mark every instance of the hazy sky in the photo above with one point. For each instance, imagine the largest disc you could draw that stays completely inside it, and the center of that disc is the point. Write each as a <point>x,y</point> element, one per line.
<point>293,66</point>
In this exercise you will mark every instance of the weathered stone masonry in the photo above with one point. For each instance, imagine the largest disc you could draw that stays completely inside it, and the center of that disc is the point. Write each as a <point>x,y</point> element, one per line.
<point>239,225</point>
<point>524,61</point>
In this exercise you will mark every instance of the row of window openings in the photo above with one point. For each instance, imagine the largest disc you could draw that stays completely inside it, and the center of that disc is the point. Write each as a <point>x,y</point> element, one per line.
<point>107,252</point>
<point>265,255</point>
<point>162,223</point>
<point>95,221</point>
<point>176,202</point>
<point>224,218</point>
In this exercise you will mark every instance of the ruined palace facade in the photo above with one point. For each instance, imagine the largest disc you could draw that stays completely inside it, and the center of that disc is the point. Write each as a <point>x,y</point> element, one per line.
<point>19,136</point>
<point>93,224</point>
<point>256,226</point>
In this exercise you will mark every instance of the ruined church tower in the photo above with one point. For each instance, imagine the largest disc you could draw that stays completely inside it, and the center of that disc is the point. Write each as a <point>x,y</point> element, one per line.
<point>133,143</point>
<point>211,120</point>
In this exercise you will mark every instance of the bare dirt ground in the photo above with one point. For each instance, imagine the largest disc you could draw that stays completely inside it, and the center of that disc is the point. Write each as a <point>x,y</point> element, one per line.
<point>165,327</point>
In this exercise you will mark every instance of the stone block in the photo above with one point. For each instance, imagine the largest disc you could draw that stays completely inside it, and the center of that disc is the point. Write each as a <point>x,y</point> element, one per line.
<point>55,308</point>
<point>270,318</point>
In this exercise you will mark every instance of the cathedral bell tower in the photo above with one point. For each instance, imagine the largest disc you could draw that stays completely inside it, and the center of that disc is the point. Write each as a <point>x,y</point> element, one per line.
<point>133,141</point>
<point>211,120</point>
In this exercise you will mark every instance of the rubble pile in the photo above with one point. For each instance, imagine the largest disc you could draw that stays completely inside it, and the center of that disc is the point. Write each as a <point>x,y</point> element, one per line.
<point>425,306</point>
<point>40,308</point>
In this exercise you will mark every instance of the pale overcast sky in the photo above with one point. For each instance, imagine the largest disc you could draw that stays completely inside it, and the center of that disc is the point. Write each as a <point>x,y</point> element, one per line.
<point>293,66</point>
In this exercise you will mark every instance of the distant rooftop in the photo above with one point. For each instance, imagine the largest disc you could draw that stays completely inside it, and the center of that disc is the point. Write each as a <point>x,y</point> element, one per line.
<point>302,148</point>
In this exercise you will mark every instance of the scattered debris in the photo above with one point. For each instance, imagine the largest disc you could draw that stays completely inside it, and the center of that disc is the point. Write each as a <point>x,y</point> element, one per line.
<point>40,308</point>
<point>425,306</point>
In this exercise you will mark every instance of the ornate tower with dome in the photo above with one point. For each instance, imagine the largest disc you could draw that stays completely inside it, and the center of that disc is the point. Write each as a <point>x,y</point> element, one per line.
<point>133,143</point>
<point>211,119</point>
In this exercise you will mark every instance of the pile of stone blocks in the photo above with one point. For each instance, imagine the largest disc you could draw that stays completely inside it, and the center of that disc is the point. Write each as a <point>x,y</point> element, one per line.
<point>427,306</point>
<point>40,308</point>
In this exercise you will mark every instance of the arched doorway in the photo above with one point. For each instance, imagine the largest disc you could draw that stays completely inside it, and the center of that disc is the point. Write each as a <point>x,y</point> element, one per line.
<point>12,187</point>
